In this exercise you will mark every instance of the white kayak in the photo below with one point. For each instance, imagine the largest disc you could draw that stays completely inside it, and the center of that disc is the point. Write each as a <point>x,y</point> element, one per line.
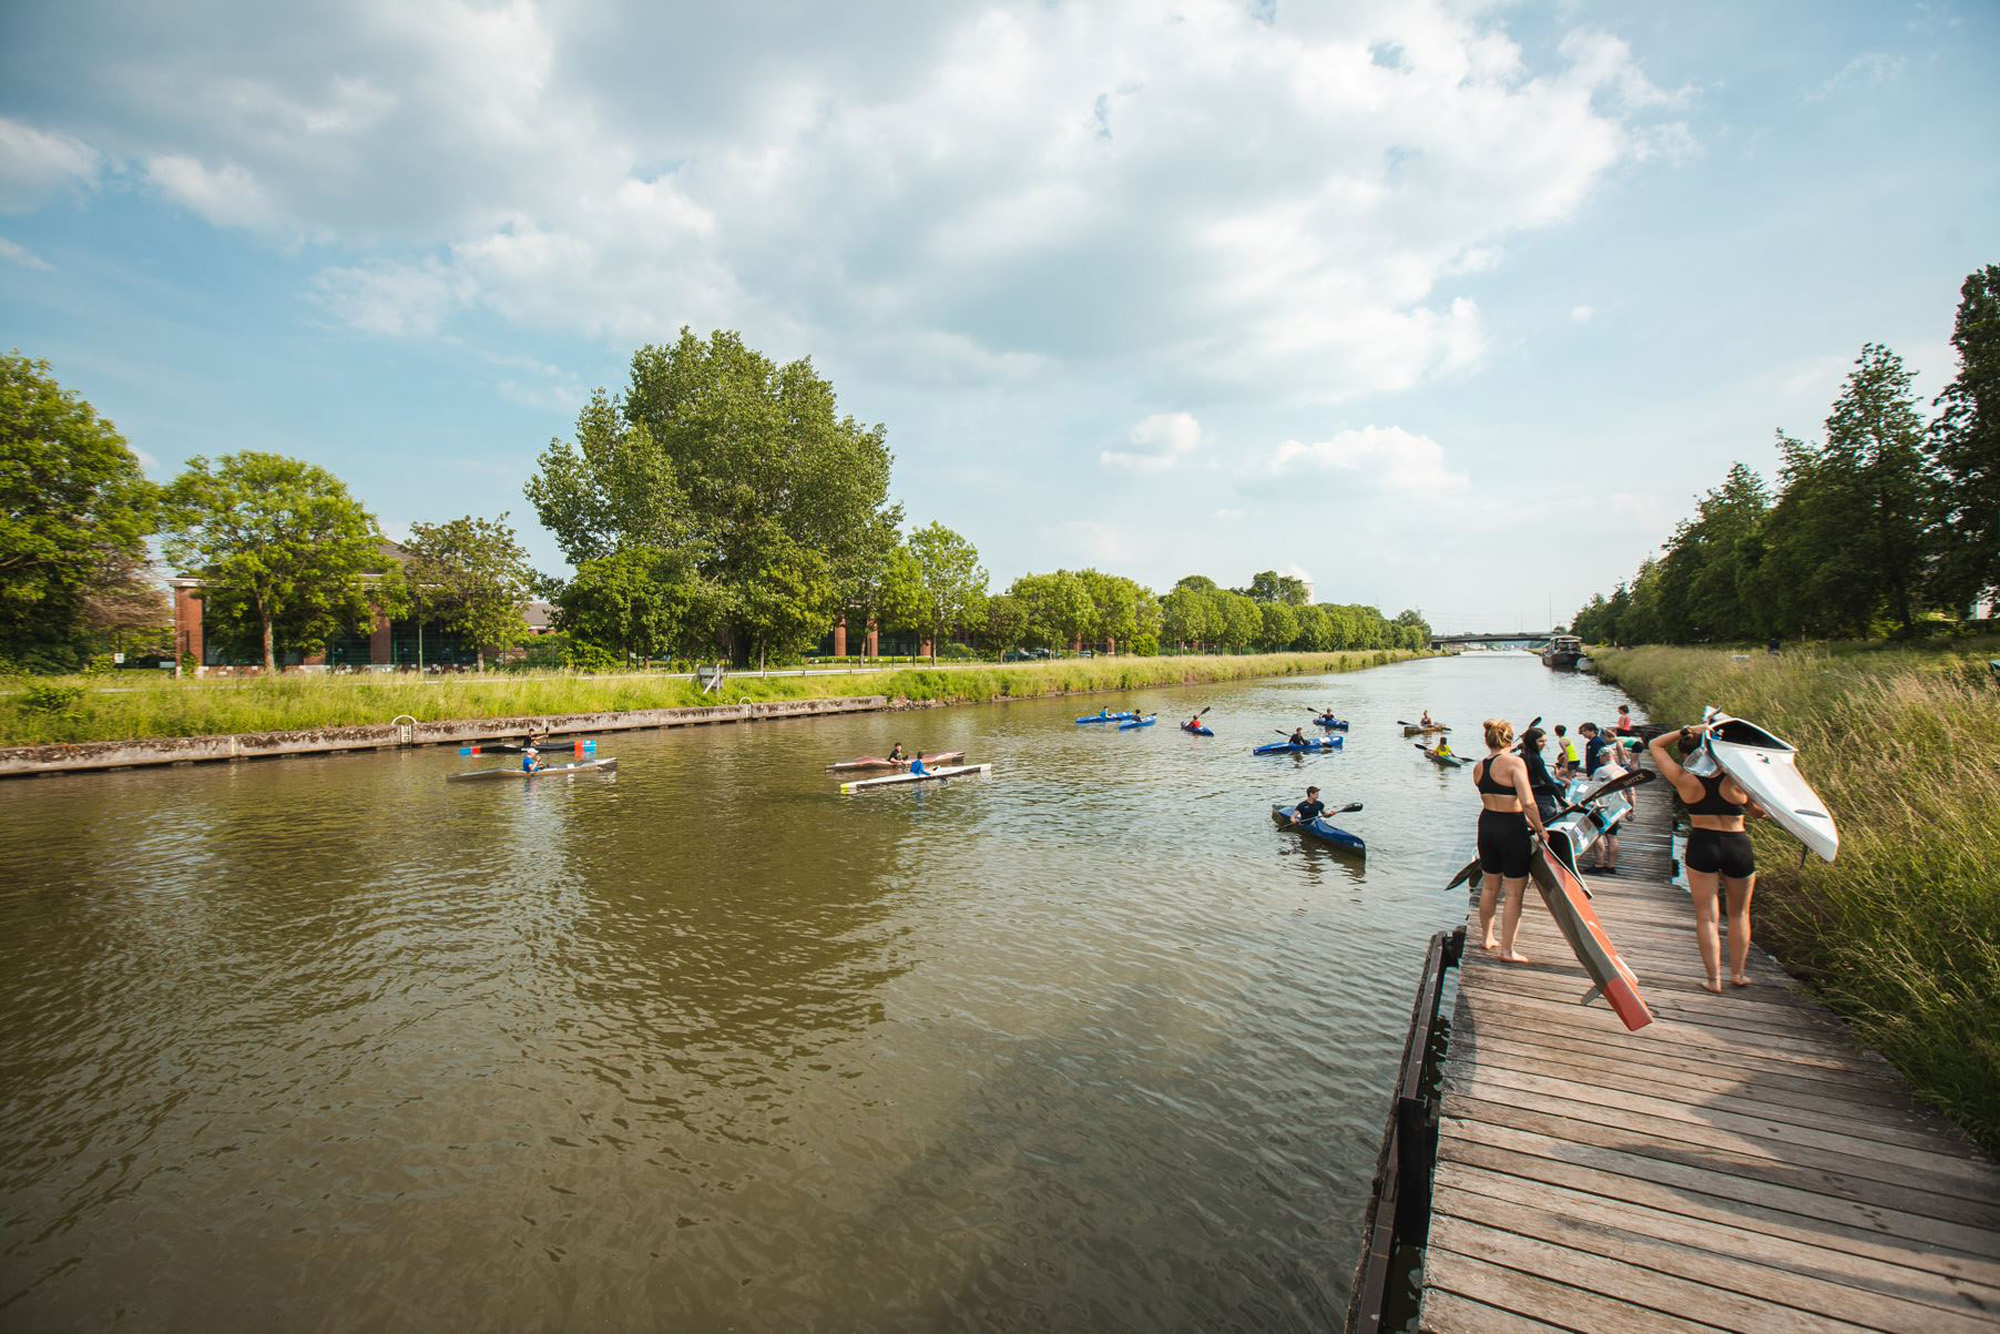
<point>952,771</point>
<point>546,771</point>
<point>1766,768</point>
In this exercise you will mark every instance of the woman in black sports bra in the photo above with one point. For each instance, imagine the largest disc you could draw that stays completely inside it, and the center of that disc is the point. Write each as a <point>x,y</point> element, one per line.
<point>1718,856</point>
<point>1505,849</point>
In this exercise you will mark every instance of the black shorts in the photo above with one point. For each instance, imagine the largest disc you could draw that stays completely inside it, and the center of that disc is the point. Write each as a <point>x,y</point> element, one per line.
<point>1711,851</point>
<point>1504,846</point>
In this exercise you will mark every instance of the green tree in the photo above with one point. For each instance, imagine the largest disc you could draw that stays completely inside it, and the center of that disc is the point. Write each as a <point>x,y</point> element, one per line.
<point>953,579</point>
<point>1315,629</point>
<point>643,602</point>
<point>1006,622</point>
<point>1965,441</point>
<point>1270,586</point>
<point>1242,622</point>
<point>1281,626</point>
<point>1056,606</point>
<point>472,576</point>
<point>75,512</point>
<point>1191,616</point>
<point>279,538</point>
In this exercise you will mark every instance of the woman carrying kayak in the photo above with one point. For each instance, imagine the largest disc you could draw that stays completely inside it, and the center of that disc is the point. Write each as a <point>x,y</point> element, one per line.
<point>1505,848</point>
<point>1718,853</point>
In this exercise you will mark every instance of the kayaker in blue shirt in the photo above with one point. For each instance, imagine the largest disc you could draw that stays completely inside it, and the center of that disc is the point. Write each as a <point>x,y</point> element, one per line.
<point>917,765</point>
<point>1310,809</point>
<point>530,761</point>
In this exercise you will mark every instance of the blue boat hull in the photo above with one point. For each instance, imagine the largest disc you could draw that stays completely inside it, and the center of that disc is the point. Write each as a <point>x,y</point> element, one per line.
<point>1105,718</point>
<point>1287,748</point>
<point>1196,731</point>
<point>1330,834</point>
<point>1131,723</point>
<point>1332,724</point>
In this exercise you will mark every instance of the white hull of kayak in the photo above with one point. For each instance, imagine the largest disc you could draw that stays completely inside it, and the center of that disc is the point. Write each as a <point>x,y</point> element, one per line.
<point>1766,768</point>
<point>549,771</point>
<point>955,771</point>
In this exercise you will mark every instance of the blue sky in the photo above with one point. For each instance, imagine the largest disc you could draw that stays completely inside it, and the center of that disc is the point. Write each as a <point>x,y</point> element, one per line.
<point>1452,306</point>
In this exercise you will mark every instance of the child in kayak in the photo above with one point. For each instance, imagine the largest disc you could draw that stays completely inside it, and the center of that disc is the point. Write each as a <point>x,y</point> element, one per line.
<point>1310,809</point>
<point>917,765</point>
<point>1443,750</point>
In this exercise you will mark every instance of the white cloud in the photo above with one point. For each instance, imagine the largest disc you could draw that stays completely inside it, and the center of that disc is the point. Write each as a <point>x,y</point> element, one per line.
<point>20,254</point>
<point>1092,543</point>
<point>1581,314</point>
<point>1866,70</point>
<point>1386,458</point>
<point>1231,514</point>
<point>228,196</point>
<point>1164,439</point>
<point>35,165</point>
<point>393,299</point>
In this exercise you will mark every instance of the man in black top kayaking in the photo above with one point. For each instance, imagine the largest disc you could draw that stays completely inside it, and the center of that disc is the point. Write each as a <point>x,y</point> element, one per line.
<point>898,754</point>
<point>1298,737</point>
<point>1310,809</point>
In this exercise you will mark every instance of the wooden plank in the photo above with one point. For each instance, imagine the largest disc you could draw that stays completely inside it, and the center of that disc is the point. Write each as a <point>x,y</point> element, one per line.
<point>1812,1195</point>
<point>1449,1313</point>
<point>1730,1259</point>
<point>1525,1294</point>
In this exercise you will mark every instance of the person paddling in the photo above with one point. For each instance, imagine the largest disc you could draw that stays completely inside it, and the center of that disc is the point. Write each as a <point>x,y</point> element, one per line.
<point>1310,809</point>
<point>1193,724</point>
<point>917,765</point>
<point>898,755</point>
<point>530,758</point>
<point>1298,737</point>
<point>1718,857</point>
<point>1507,812</point>
<point>1443,749</point>
<point>1425,721</point>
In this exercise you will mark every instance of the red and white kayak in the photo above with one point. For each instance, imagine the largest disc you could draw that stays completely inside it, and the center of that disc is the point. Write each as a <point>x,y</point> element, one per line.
<point>1568,902</point>
<point>931,776</point>
<point>877,762</point>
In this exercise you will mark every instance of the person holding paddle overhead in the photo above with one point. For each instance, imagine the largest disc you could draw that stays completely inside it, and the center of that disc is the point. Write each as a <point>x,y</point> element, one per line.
<point>1718,856</point>
<point>1507,813</point>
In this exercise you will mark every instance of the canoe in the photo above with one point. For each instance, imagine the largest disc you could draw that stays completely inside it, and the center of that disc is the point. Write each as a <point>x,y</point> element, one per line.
<point>934,776</point>
<point>1766,768</point>
<point>1411,729</point>
<point>1105,718</point>
<point>1131,723</point>
<point>1330,834</point>
<point>1563,891</point>
<point>1195,729</point>
<point>876,762</point>
<point>1287,748</point>
<point>587,766</point>
<point>1331,723</point>
<point>1444,761</point>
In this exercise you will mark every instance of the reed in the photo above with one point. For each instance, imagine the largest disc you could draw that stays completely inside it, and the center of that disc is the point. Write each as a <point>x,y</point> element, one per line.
<point>119,708</point>
<point>1901,934</point>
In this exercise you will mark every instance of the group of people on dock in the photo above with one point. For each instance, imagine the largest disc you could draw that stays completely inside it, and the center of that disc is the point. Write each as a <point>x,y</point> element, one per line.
<point>1519,794</point>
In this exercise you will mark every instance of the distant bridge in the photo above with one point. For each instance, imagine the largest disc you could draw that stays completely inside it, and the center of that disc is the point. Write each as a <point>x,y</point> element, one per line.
<point>1517,639</point>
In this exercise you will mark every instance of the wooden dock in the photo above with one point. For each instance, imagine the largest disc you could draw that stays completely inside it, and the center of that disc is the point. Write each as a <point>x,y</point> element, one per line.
<point>1739,1164</point>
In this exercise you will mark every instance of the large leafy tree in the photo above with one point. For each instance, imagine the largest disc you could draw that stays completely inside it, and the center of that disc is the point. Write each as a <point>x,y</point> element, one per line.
<point>641,601</point>
<point>1242,621</point>
<point>1056,608</point>
<point>472,576</point>
<point>1281,625</point>
<point>279,543</point>
<point>743,466</point>
<point>1965,440</point>
<point>1270,586</point>
<point>75,512</point>
<point>953,580</point>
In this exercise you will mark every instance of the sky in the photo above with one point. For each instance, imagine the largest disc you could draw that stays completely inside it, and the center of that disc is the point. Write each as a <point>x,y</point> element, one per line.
<point>1448,306</point>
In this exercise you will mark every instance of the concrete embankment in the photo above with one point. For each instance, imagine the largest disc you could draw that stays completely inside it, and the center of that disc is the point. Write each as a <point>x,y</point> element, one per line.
<point>26,761</point>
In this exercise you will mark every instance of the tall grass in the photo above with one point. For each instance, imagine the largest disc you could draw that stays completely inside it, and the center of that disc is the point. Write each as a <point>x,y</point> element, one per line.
<point>1902,933</point>
<point>119,708</point>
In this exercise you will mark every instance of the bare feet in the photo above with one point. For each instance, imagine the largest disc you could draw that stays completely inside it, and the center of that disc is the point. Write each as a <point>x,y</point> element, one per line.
<point>1515,957</point>
<point>1743,981</point>
<point>1712,985</point>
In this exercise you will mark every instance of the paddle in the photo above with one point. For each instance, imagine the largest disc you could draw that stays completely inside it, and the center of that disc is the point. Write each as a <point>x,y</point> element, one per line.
<point>1348,809</point>
<point>1630,780</point>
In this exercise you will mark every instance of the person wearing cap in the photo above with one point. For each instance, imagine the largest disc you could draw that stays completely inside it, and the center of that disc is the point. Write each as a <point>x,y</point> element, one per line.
<point>1310,809</point>
<point>530,758</point>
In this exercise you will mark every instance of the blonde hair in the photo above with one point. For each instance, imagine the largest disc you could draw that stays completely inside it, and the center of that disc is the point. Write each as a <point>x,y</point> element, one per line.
<point>1499,733</point>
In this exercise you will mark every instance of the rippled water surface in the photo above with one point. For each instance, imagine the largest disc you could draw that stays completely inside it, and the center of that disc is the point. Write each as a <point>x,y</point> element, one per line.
<point>1083,1044</point>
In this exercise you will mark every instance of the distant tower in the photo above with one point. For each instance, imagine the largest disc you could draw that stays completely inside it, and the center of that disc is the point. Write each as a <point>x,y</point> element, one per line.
<point>1310,599</point>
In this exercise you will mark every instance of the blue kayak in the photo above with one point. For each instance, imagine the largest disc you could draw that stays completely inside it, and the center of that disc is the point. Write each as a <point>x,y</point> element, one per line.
<point>1331,723</point>
<point>1196,729</point>
<point>1131,723</point>
<point>1105,718</point>
<point>1331,834</point>
<point>1287,748</point>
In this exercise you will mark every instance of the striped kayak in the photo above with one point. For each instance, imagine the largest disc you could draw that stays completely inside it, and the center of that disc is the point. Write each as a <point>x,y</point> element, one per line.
<point>1195,729</point>
<point>876,762</point>
<point>1131,723</point>
<point>934,776</point>
<point>586,767</point>
<point>1331,723</point>
<point>1331,834</point>
<point>1568,901</point>
<point>1287,748</point>
<point>1105,718</point>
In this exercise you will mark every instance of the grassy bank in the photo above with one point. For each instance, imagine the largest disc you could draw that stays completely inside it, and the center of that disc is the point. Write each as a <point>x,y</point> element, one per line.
<point>1901,934</point>
<point>119,708</point>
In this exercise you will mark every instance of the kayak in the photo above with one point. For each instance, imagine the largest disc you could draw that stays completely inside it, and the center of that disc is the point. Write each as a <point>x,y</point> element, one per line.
<point>1444,761</point>
<point>1195,729</point>
<point>1331,834</point>
<point>935,775</point>
<point>587,766</point>
<point>1765,767</point>
<point>1287,748</point>
<point>1105,718</point>
<point>877,762</point>
<point>1412,729</point>
<point>1331,723</point>
<point>1131,723</point>
<point>1568,901</point>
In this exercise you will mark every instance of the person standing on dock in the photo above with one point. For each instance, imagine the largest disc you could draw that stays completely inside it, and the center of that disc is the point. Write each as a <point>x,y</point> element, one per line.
<point>1505,849</point>
<point>1566,757</point>
<point>1718,857</point>
<point>1547,791</point>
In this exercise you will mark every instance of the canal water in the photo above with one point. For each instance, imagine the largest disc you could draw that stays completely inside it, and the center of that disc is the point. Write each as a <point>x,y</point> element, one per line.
<point>1085,1043</point>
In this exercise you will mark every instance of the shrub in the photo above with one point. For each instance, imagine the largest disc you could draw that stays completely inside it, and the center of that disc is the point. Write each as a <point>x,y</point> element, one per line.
<point>55,698</point>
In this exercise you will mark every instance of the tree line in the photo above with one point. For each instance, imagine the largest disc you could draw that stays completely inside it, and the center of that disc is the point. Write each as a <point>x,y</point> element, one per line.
<point>1889,525</point>
<point>720,505</point>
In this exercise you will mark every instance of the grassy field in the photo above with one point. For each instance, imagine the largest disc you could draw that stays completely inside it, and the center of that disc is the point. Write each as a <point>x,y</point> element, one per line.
<point>119,707</point>
<point>1902,933</point>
